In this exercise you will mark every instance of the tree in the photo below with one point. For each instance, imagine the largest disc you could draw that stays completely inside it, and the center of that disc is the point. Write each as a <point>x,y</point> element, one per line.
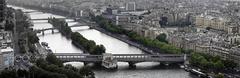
<point>86,72</point>
<point>208,28</point>
<point>98,50</point>
<point>36,72</point>
<point>9,25</point>
<point>41,63</point>
<point>8,74</point>
<point>229,64</point>
<point>22,73</point>
<point>219,75</point>
<point>90,45</point>
<point>52,59</point>
<point>33,38</point>
<point>70,67</point>
<point>62,70</point>
<point>162,37</point>
<point>219,64</point>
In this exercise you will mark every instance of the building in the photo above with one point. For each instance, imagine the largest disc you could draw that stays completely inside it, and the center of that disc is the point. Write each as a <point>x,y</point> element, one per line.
<point>205,21</point>
<point>233,29</point>
<point>111,11</point>
<point>2,13</point>
<point>6,50</point>
<point>234,39</point>
<point>131,6</point>
<point>235,55</point>
<point>6,58</point>
<point>2,9</point>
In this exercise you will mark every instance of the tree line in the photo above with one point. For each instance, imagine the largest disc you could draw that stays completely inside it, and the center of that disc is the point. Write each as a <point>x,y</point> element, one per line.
<point>49,68</point>
<point>78,40</point>
<point>61,25</point>
<point>211,63</point>
<point>162,47</point>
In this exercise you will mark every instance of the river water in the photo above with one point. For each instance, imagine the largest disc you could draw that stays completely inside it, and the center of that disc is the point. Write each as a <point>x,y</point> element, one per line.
<point>60,44</point>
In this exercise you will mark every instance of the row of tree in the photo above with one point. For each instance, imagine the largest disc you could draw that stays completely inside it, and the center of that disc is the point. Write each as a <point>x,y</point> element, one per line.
<point>9,22</point>
<point>77,39</point>
<point>211,63</point>
<point>61,25</point>
<point>89,45</point>
<point>163,47</point>
<point>25,35</point>
<point>49,68</point>
<point>154,43</point>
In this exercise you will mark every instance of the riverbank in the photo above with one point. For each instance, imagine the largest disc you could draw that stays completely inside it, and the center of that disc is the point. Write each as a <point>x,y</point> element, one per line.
<point>118,36</point>
<point>152,44</point>
<point>77,39</point>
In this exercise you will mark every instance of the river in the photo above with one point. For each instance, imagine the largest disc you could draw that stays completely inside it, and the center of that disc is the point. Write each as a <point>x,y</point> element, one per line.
<point>60,44</point>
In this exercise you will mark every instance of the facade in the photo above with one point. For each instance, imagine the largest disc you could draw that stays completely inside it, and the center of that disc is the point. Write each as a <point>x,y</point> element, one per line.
<point>208,43</point>
<point>235,55</point>
<point>205,21</point>
<point>148,32</point>
<point>6,58</point>
<point>131,6</point>
<point>234,39</point>
<point>233,29</point>
<point>6,50</point>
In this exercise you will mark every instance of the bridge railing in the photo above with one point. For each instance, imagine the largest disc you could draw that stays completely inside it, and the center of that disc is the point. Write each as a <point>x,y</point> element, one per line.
<point>122,57</point>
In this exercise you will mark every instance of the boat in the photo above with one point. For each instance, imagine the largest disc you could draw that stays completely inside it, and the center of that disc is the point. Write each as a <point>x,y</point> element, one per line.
<point>199,73</point>
<point>109,65</point>
<point>109,62</point>
<point>44,44</point>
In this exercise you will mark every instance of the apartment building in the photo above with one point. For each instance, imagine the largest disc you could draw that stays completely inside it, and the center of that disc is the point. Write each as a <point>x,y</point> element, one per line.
<point>205,21</point>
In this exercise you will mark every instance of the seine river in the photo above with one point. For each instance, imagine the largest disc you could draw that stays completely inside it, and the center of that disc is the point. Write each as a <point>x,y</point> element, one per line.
<point>60,44</point>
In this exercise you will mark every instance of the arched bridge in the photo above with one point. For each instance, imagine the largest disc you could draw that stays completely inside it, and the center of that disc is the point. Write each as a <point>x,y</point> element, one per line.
<point>134,58</point>
<point>52,29</point>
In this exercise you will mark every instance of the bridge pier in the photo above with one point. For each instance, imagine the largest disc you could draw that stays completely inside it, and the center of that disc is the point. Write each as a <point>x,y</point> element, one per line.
<point>85,63</point>
<point>164,64</point>
<point>132,65</point>
<point>43,32</point>
<point>52,31</point>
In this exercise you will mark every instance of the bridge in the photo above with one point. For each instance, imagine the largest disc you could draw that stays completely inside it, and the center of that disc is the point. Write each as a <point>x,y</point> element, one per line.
<point>132,59</point>
<point>50,17</point>
<point>44,19</point>
<point>43,22</point>
<point>42,30</point>
<point>31,11</point>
